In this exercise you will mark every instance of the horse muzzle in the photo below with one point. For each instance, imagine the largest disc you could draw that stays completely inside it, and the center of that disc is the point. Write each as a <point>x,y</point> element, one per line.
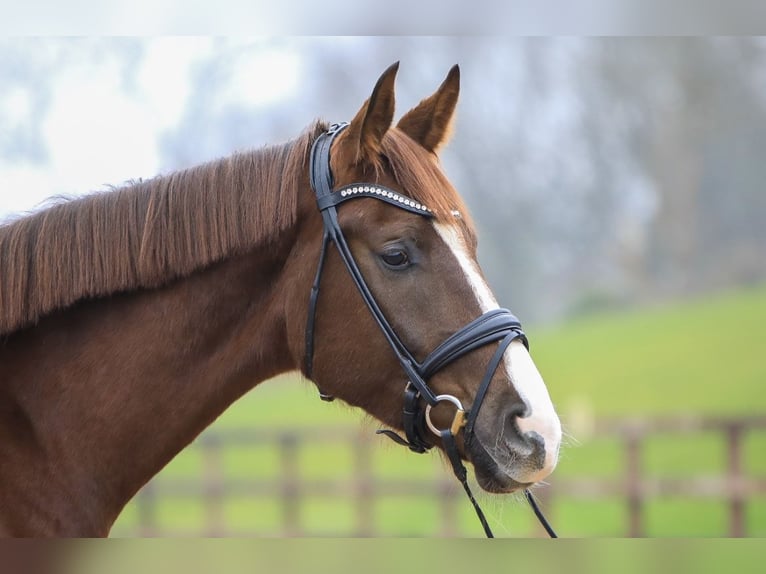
<point>505,456</point>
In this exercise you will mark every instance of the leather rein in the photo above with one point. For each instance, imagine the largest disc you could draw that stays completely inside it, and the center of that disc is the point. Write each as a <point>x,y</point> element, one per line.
<point>493,326</point>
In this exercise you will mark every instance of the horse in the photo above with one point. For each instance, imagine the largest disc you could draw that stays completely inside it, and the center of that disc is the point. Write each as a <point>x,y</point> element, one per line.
<point>131,318</point>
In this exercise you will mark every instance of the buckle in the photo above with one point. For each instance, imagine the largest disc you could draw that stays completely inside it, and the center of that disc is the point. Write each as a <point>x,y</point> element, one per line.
<point>336,127</point>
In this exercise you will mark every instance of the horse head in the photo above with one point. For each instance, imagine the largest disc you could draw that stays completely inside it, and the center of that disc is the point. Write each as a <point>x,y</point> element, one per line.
<point>408,240</point>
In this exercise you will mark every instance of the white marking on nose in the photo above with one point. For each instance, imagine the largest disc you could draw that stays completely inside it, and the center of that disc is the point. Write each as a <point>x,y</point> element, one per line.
<point>523,373</point>
<point>543,418</point>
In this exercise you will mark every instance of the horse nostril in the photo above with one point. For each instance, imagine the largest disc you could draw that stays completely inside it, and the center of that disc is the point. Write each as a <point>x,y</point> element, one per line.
<point>537,444</point>
<point>518,410</point>
<point>528,444</point>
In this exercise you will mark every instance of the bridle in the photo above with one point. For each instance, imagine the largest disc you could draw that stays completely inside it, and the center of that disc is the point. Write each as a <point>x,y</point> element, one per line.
<point>493,326</point>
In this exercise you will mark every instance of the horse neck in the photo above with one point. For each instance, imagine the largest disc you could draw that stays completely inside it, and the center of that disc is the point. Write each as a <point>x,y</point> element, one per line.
<point>105,393</point>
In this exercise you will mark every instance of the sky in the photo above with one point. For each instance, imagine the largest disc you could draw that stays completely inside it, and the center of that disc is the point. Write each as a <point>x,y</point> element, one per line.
<point>107,104</point>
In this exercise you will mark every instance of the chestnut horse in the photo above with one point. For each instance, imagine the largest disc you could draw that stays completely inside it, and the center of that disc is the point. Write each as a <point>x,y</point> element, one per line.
<point>131,319</point>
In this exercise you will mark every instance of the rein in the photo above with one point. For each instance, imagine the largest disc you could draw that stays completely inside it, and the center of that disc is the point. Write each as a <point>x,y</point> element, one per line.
<point>493,326</point>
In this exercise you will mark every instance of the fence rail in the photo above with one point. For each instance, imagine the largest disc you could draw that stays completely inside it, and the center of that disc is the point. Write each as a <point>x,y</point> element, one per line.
<point>634,485</point>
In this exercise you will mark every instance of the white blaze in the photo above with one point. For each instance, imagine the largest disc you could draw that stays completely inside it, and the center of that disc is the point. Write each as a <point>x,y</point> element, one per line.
<point>521,370</point>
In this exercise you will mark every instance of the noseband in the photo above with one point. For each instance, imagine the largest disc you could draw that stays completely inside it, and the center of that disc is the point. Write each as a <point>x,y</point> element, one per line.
<point>493,326</point>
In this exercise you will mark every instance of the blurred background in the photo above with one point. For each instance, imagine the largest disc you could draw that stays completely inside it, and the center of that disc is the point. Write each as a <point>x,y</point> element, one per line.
<point>618,190</point>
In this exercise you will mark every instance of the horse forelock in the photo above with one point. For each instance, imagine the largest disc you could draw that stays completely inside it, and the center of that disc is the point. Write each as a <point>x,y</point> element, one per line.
<point>147,233</point>
<point>419,173</point>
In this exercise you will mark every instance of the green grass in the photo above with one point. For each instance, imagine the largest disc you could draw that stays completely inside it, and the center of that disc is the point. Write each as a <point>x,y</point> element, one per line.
<point>703,356</point>
<point>700,356</point>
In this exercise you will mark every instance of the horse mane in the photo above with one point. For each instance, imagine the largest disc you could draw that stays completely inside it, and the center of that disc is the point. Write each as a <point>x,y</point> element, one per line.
<point>148,233</point>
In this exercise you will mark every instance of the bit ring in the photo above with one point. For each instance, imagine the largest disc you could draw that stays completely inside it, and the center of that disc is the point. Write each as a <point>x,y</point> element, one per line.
<point>457,423</point>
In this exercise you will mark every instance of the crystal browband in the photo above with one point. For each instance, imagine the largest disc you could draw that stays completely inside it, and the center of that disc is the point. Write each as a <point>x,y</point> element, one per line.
<point>377,191</point>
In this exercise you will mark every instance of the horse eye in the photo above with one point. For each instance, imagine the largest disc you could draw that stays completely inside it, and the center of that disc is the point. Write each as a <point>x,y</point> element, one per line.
<point>396,258</point>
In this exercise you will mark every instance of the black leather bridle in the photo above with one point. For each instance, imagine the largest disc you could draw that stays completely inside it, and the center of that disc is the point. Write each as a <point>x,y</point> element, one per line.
<point>493,326</point>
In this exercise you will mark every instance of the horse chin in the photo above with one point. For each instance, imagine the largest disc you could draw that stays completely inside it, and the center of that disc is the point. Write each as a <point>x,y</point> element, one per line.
<point>490,476</point>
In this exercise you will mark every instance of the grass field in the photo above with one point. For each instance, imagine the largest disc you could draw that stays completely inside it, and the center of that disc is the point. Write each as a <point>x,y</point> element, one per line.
<point>703,356</point>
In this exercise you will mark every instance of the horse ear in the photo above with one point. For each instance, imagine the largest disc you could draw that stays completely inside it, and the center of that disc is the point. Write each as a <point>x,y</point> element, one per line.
<point>365,132</point>
<point>430,122</point>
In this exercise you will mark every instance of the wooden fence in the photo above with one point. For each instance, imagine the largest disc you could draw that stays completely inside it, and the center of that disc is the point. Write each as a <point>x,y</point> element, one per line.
<point>634,486</point>
<point>289,486</point>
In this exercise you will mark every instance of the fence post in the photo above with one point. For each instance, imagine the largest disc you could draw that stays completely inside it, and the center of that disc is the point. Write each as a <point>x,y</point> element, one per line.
<point>288,443</point>
<point>634,483</point>
<point>212,485</point>
<point>736,503</point>
<point>146,509</point>
<point>448,502</point>
<point>364,481</point>
<point>544,498</point>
